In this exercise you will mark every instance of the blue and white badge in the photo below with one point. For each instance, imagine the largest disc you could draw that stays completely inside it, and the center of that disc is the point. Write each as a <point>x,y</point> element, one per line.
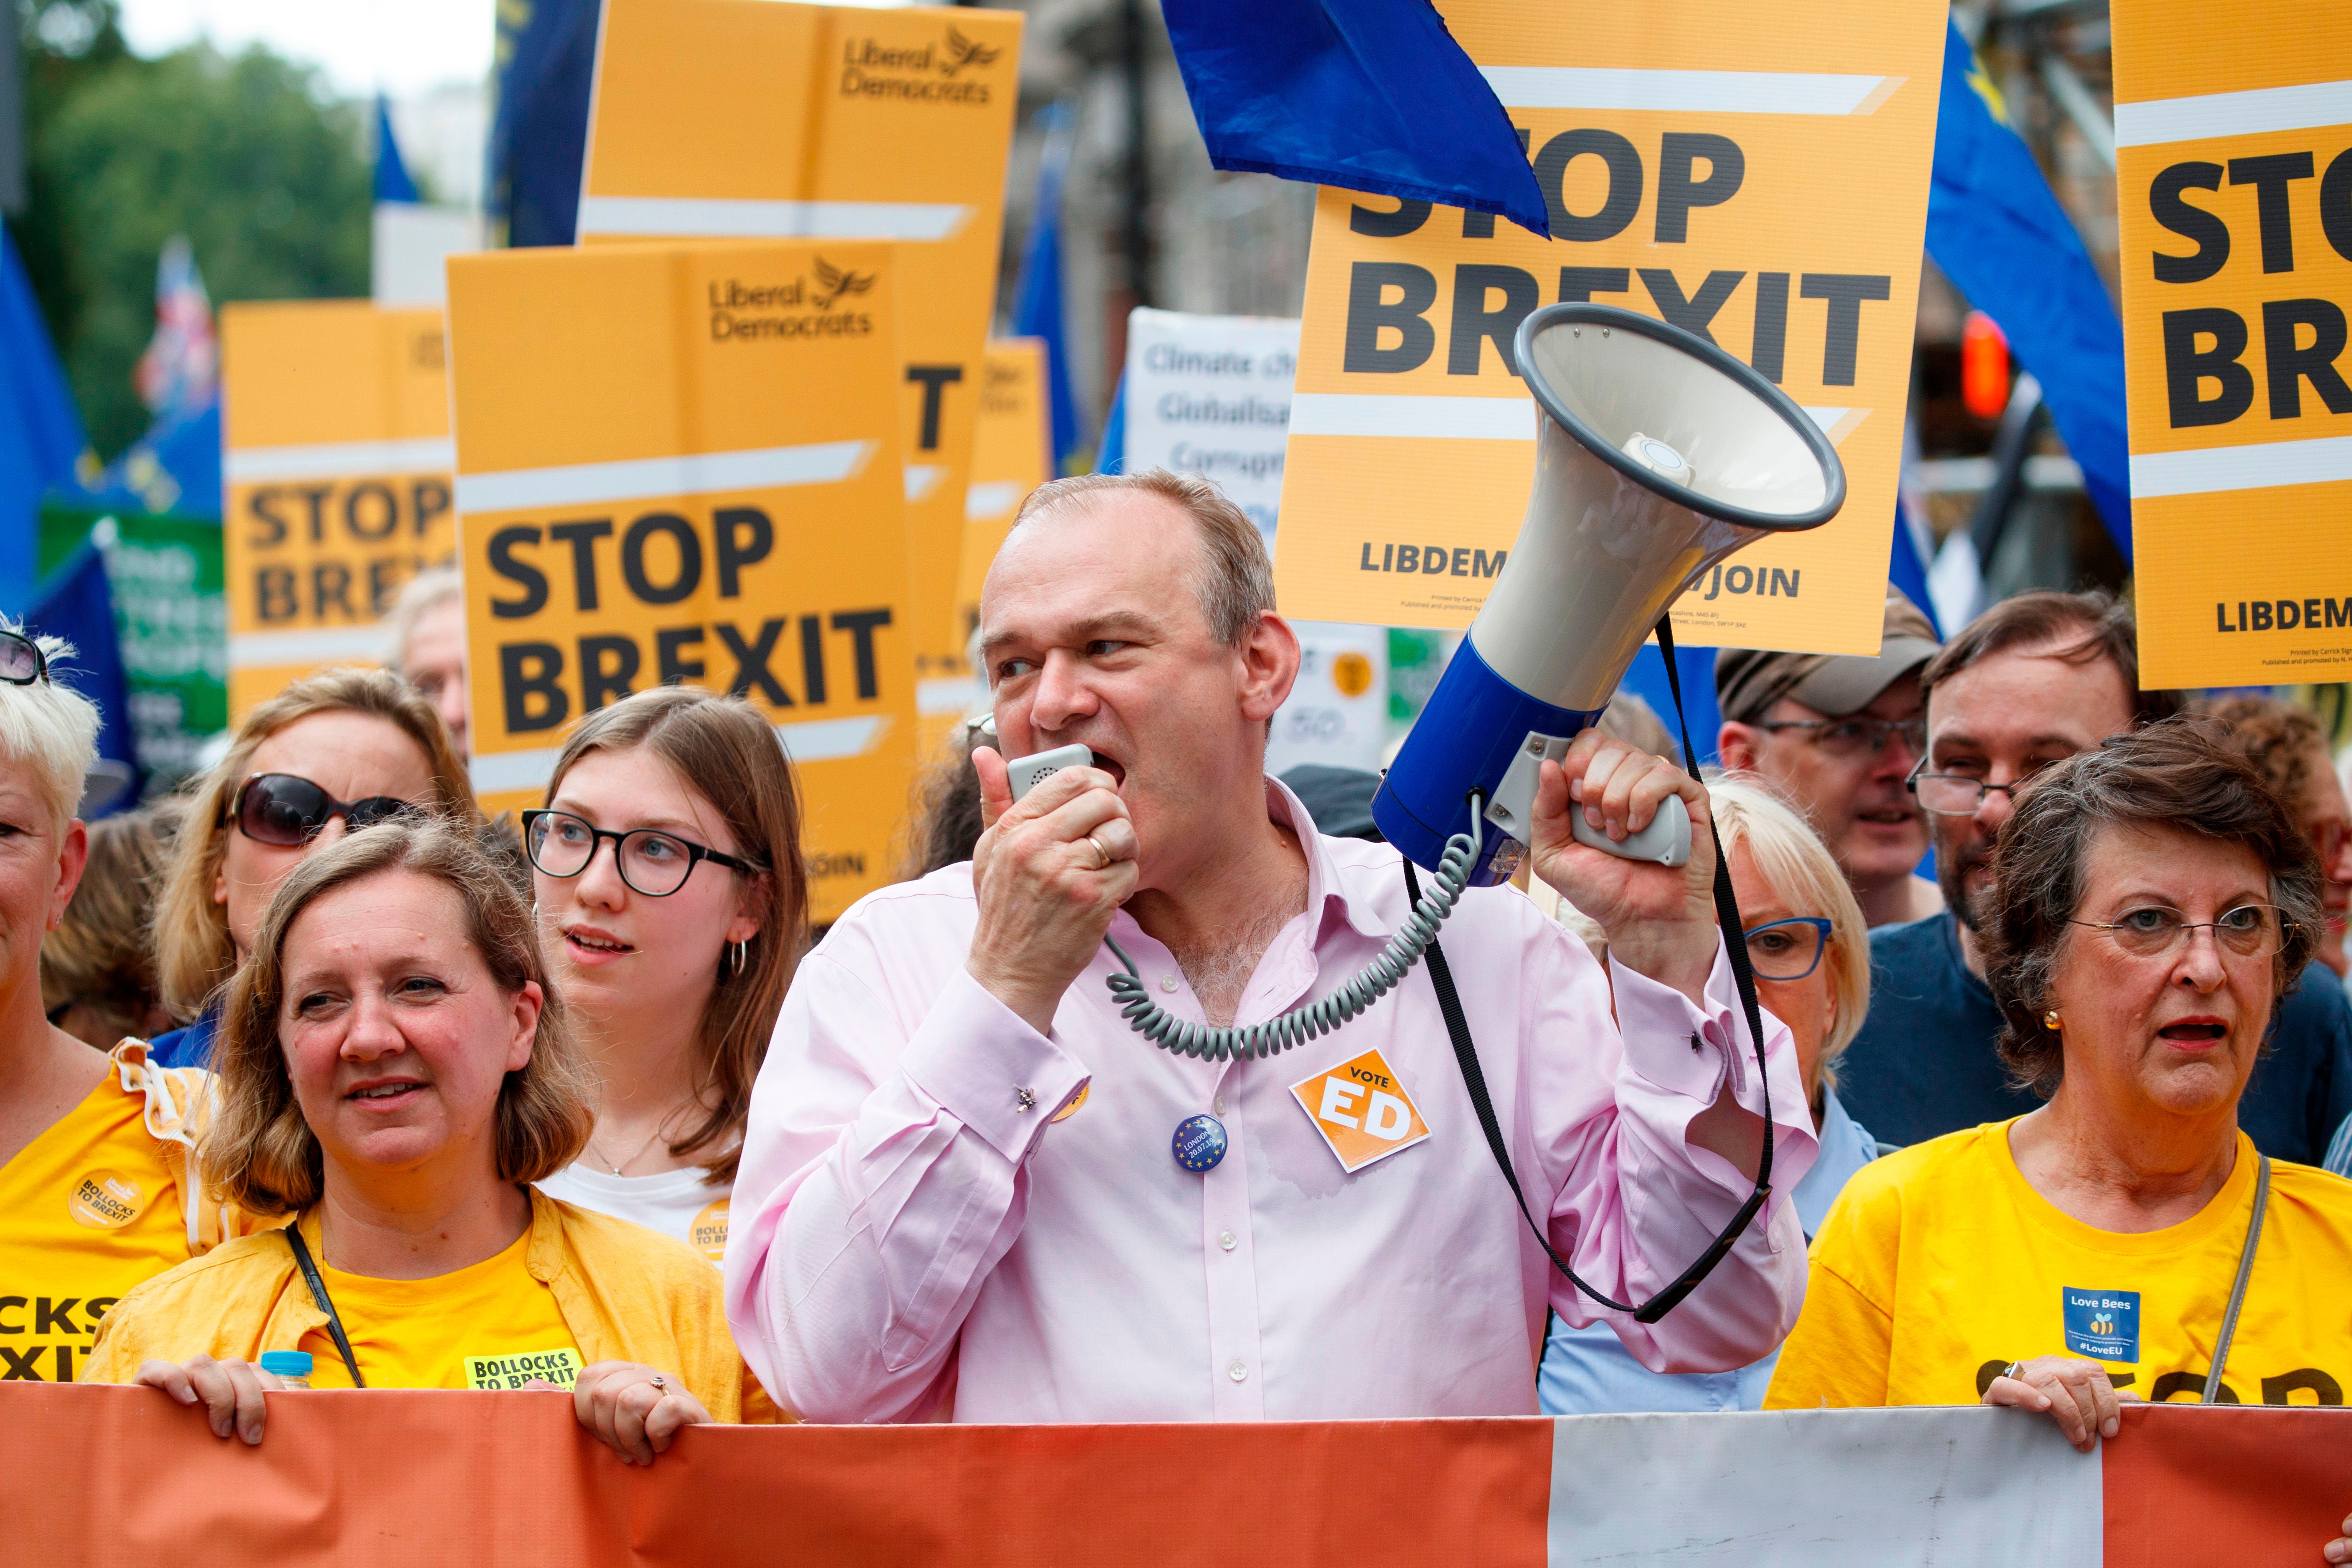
<point>1199,1143</point>
<point>2102,1324</point>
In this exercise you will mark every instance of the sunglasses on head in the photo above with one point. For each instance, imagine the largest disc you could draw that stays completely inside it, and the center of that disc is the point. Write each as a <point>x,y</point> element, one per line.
<point>288,810</point>
<point>22,662</point>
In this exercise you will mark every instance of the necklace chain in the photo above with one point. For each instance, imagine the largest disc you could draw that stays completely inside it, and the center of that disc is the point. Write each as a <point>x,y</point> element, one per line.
<point>604,1159</point>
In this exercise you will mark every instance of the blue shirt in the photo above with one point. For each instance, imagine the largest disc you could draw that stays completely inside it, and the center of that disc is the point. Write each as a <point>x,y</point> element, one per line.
<point>1923,1063</point>
<point>1588,1371</point>
<point>188,1047</point>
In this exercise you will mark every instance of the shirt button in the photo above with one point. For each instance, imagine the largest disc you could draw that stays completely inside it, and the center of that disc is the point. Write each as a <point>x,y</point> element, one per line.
<point>1237,1371</point>
<point>1221,1105</point>
<point>1168,982</point>
<point>1228,1240</point>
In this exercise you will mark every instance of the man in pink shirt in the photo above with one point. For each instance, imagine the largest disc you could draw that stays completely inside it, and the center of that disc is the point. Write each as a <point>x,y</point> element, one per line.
<point>968,1190</point>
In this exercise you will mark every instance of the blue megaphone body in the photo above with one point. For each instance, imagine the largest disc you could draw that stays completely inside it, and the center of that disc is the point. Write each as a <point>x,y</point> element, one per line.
<point>1657,455</point>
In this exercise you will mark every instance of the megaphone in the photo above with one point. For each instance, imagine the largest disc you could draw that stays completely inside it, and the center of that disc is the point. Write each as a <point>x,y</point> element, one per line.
<point>1657,455</point>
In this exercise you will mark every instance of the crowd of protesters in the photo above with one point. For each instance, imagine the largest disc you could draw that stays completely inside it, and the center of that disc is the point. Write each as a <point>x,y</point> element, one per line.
<point>311,1074</point>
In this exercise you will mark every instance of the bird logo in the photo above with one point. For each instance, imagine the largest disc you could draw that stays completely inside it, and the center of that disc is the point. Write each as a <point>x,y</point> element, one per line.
<point>963,51</point>
<point>833,282</point>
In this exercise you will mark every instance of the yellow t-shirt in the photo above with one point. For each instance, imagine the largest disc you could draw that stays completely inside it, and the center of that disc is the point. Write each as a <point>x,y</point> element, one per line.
<point>488,1326</point>
<point>88,1209</point>
<point>1940,1265</point>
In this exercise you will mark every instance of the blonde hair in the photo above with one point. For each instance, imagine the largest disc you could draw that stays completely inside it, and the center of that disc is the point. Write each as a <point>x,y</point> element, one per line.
<point>194,953</point>
<point>51,728</point>
<point>98,958</point>
<point>428,591</point>
<point>1796,865</point>
<point>270,1161</point>
<point>721,749</point>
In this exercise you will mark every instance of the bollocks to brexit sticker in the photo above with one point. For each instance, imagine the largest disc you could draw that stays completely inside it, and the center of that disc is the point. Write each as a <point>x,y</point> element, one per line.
<point>2102,1324</point>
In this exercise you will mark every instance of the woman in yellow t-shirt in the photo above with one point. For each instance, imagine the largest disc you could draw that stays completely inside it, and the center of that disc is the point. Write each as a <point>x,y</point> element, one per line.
<point>394,1072</point>
<point>2153,900</point>
<point>97,1193</point>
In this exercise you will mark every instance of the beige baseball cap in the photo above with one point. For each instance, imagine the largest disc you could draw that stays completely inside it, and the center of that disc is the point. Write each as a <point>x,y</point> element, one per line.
<point>1747,681</point>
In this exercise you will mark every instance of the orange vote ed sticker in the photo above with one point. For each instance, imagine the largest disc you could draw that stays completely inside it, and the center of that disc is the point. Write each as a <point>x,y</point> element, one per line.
<point>1361,1110</point>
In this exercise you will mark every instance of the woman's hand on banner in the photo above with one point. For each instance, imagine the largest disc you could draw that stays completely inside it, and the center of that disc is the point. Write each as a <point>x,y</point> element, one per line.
<point>1659,918</point>
<point>230,1391</point>
<point>2075,1393</point>
<point>637,1411</point>
<point>1049,873</point>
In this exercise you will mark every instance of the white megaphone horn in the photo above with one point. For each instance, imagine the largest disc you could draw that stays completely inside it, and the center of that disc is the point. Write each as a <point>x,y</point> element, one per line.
<point>1657,455</point>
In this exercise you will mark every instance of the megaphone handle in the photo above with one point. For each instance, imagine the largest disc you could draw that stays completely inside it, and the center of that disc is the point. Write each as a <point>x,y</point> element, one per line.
<point>1666,840</point>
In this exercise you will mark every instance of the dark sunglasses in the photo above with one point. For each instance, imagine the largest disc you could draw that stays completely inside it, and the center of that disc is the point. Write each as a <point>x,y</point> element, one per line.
<point>22,662</point>
<point>288,810</point>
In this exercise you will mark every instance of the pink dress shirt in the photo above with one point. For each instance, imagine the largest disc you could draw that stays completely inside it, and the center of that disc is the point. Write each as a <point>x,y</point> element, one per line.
<point>911,1237</point>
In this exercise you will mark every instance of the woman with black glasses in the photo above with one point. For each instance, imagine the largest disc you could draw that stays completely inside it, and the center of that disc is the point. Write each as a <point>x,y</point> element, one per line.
<point>331,756</point>
<point>673,904</point>
<point>1810,951</point>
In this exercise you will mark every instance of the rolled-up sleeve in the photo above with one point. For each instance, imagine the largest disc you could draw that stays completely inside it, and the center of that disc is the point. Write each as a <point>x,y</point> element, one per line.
<point>1635,1201</point>
<point>884,1176</point>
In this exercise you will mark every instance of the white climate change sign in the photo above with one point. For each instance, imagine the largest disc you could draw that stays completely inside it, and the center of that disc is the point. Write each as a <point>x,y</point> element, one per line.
<point>1210,396</point>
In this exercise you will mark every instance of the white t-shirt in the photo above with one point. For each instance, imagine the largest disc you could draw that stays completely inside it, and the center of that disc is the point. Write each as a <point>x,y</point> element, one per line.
<point>675,1202</point>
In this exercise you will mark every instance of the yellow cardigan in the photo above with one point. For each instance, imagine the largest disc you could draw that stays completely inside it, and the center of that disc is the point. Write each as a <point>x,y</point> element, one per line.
<point>625,1292</point>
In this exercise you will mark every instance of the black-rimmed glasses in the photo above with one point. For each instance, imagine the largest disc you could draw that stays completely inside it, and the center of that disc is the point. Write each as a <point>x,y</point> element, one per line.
<point>1789,948</point>
<point>652,862</point>
<point>22,662</point>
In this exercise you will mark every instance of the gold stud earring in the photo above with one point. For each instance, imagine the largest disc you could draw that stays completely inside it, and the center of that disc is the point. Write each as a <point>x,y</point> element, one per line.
<point>2050,1020</point>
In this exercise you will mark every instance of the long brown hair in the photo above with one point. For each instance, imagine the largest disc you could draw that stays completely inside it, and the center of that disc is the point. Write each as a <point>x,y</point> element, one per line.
<point>194,951</point>
<point>724,752</point>
<point>269,1160</point>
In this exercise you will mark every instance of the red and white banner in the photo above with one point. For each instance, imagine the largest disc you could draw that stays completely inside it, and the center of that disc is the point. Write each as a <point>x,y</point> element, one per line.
<point>417,1479</point>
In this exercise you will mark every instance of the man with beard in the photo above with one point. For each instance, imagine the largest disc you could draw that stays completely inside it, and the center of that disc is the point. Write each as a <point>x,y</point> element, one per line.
<point>1838,735</point>
<point>2029,682</point>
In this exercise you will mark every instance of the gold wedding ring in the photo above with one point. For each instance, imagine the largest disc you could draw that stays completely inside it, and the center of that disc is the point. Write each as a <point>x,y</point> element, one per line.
<point>1106,854</point>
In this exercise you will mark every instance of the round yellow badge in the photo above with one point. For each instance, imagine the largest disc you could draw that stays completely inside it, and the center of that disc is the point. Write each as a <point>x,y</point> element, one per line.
<point>707,1234</point>
<point>1072,1109</point>
<point>1353,674</point>
<point>105,1200</point>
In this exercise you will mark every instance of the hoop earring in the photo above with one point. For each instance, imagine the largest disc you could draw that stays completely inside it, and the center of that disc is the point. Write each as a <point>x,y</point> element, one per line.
<point>741,962</point>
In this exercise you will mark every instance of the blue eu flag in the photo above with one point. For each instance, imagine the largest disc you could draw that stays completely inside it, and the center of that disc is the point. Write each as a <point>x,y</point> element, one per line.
<point>1998,232</point>
<point>1373,95</point>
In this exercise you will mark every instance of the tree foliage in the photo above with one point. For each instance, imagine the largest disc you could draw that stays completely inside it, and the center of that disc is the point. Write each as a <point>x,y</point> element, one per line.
<point>247,156</point>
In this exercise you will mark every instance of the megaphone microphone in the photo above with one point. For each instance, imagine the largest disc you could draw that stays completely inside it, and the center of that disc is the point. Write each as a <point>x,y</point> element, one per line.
<point>1657,455</point>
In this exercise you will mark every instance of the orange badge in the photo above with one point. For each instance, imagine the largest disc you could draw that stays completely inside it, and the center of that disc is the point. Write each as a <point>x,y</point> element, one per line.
<point>1072,1109</point>
<point>1361,1110</point>
<point>707,1234</point>
<point>105,1200</point>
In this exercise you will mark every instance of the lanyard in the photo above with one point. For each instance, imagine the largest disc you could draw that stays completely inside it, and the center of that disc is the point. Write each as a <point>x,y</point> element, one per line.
<point>326,1303</point>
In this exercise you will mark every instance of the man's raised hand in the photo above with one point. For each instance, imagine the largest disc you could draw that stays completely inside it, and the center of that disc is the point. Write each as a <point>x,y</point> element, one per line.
<point>1049,873</point>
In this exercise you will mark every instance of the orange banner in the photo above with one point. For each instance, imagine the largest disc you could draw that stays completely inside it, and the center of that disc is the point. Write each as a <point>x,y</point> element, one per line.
<point>379,1479</point>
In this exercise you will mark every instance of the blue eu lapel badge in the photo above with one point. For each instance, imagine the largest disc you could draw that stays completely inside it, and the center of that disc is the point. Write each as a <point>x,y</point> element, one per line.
<point>2102,1324</point>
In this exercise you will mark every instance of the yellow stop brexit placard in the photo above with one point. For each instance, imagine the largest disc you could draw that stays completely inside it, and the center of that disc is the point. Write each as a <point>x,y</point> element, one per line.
<point>763,118</point>
<point>1756,175</point>
<point>679,463</point>
<point>335,461</point>
<point>2233,184</point>
<point>1012,453</point>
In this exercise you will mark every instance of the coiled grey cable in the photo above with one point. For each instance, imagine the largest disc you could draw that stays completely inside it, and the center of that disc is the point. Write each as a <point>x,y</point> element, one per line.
<point>1298,1025</point>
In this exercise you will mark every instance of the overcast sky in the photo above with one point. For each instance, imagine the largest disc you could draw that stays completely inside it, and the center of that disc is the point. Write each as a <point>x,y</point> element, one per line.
<point>362,46</point>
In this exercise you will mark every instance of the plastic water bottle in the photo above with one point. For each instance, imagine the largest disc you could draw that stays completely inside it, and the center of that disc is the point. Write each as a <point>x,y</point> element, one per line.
<point>293,1367</point>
